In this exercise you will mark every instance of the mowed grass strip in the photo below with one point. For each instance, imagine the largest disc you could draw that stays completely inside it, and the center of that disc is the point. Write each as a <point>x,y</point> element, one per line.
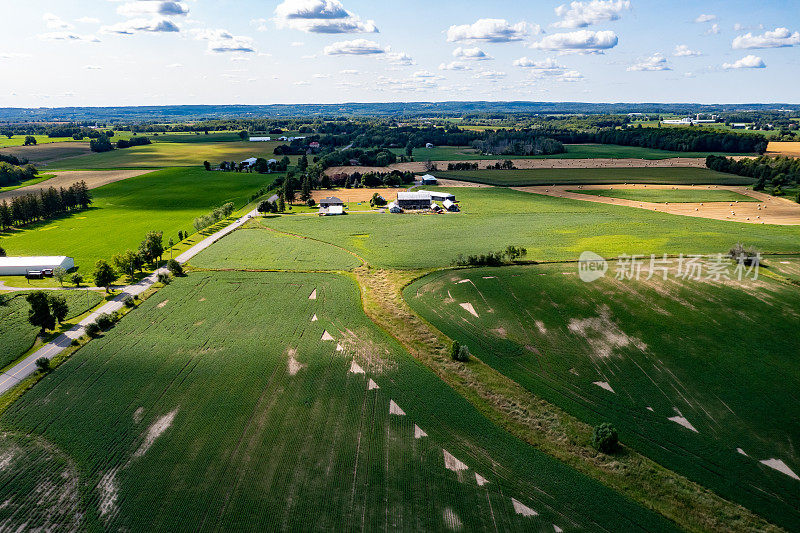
<point>171,154</point>
<point>124,211</point>
<point>17,335</point>
<point>670,195</point>
<point>550,228</point>
<point>598,176</point>
<point>684,393</point>
<point>255,247</point>
<point>218,405</point>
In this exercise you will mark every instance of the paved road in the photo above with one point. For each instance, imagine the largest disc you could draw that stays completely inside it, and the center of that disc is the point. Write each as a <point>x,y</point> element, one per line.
<point>27,366</point>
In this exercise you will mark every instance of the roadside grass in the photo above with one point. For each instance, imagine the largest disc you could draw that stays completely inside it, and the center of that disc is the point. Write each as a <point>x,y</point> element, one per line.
<point>17,335</point>
<point>124,211</point>
<point>670,195</point>
<point>597,176</point>
<point>258,424</point>
<point>559,337</point>
<point>574,151</point>
<point>552,229</point>
<point>162,154</point>
<point>255,247</point>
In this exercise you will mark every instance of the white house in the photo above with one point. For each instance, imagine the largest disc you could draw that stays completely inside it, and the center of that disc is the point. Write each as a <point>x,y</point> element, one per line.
<point>331,210</point>
<point>260,139</point>
<point>250,161</point>
<point>20,266</point>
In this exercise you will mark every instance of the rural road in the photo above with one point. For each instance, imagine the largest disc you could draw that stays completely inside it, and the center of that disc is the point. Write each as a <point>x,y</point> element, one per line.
<point>27,366</point>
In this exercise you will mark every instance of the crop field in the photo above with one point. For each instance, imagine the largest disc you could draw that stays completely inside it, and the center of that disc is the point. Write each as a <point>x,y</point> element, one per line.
<point>255,247</point>
<point>717,403</point>
<point>47,154</point>
<point>550,228</point>
<point>124,211</point>
<point>574,151</point>
<point>670,195</point>
<point>599,176</point>
<point>171,154</point>
<point>17,335</point>
<point>221,403</point>
<point>35,181</point>
<point>19,140</point>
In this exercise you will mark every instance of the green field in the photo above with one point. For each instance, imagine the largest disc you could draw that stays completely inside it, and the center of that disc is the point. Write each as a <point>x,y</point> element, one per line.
<point>170,154</point>
<point>596,176</point>
<point>17,335</point>
<point>574,151</point>
<point>38,179</point>
<point>124,211</point>
<point>19,140</point>
<point>254,247</point>
<point>550,228</point>
<point>217,406</point>
<point>721,355</point>
<point>670,195</point>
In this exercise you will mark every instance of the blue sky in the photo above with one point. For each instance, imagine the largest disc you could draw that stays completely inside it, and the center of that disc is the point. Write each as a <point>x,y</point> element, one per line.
<point>156,52</point>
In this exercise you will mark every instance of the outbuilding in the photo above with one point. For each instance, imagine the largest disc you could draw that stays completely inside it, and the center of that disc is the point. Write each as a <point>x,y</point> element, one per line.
<point>20,266</point>
<point>250,161</point>
<point>450,206</point>
<point>331,211</point>
<point>427,179</point>
<point>441,196</point>
<point>331,201</point>
<point>260,139</point>
<point>394,208</point>
<point>414,200</point>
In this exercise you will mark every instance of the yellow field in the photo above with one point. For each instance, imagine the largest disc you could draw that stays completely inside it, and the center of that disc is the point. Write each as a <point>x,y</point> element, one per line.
<point>792,149</point>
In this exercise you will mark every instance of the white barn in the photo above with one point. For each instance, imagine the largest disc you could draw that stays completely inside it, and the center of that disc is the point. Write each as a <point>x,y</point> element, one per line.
<point>20,266</point>
<point>260,139</point>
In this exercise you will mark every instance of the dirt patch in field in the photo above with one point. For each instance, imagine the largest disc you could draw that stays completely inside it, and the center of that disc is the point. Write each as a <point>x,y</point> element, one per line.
<point>791,149</point>
<point>603,334</point>
<point>137,415</point>
<point>293,365</point>
<point>452,521</point>
<point>93,179</point>
<point>108,494</point>
<point>522,509</point>
<point>395,409</point>
<point>155,431</point>
<point>162,304</point>
<point>458,183</point>
<point>356,195</point>
<point>47,152</point>
<point>767,210</point>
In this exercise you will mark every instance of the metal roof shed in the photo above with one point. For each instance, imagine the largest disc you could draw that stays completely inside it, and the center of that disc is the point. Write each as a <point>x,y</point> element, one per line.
<point>19,266</point>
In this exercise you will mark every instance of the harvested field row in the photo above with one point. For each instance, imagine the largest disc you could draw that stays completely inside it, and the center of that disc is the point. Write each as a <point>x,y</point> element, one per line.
<point>64,179</point>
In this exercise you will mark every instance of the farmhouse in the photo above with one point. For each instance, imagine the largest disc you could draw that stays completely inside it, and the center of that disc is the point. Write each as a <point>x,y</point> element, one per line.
<point>331,201</point>
<point>260,139</point>
<point>21,266</point>
<point>414,200</point>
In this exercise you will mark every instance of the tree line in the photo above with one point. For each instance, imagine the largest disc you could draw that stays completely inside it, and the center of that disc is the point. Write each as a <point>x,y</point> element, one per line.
<point>775,172</point>
<point>520,144</point>
<point>673,139</point>
<point>48,203</point>
<point>11,174</point>
<point>104,144</point>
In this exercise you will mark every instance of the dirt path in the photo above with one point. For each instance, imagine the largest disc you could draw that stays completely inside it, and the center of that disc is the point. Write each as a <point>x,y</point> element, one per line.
<point>527,164</point>
<point>458,183</point>
<point>768,210</point>
<point>93,179</point>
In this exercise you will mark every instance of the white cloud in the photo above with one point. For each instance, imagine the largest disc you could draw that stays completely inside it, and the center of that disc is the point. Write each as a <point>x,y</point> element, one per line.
<point>67,36</point>
<point>297,44</point>
<point>489,75</point>
<point>322,76</point>
<point>570,76</point>
<point>302,83</point>
<point>705,18</point>
<point>548,64</point>
<point>777,38</point>
<point>713,30</point>
<point>682,50</point>
<point>356,47</point>
<point>13,55</point>
<point>455,65</point>
<point>320,16</point>
<point>222,41</point>
<point>349,72</point>
<point>398,58</point>
<point>54,22</point>
<point>425,74</point>
<point>150,8</point>
<point>653,63</point>
<point>93,67</point>
<point>88,20</point>
<point>175,65</point>
<point>491,31</point>
<point>582,40</point>
<point>583,14</point>
<point>471,54</point>
<point>131,26</point>
<point>749,61</point>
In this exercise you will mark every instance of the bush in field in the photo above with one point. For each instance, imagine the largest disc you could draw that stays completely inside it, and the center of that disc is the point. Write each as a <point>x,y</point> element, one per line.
<point>605,438</point>
<point>43,365</point>
<point>459,352</point>
<point>76,279</point>
<point>128,301</point>
<point>175,267</point>
<point>745,255</point>
<point>163,278</point>
<point>93,330</point>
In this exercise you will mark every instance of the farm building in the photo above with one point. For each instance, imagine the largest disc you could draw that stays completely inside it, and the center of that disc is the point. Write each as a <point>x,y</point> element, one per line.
<point>260,139</point>
<point>20,266</point>
<point>250,161</point>
<point>331,201</point>
<point>428,145</point>
<point>394,208</point>
<point>427,179</point>
<point>414,200</point>
<point>331,211</point>
<point>450,206</point>
<point>441,196</point>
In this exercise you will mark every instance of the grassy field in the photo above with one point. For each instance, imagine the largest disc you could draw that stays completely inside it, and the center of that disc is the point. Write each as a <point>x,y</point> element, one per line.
<point>254,247</point>
<point>17,335</point>
<point>216,405</point>
<point>38,179</point>
<point>171,154</point>
<point>45,154</point>
<point>596,176</point>
<point>550,228</point>
<point>670,195</point>
<point>687,396</point>
<point>124,211</point>
<point>574,151</point>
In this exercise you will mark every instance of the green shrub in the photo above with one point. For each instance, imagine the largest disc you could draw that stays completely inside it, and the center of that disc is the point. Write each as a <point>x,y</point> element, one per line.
<point>128,301</point>
<point>93,330</point>
<point>459,352</point>
<point>163,278</point>
<point>43,365</point>
<point>105,321</point>
<point>605,438</point>
<point>175,267</point>
<point>454,349</point>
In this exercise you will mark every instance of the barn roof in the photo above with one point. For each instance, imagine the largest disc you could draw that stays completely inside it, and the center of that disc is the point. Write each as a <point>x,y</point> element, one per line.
<point>418,195</point>
<point>33,261</point>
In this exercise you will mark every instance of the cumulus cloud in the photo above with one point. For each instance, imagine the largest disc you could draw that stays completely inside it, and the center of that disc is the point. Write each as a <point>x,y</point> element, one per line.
<point>427,75</point>
<point>54,22</point>
<point>545,64</point>
<point>455,65</point>
<point>713,30</point>
<point>653,63</point>
<point>349,72</point>
<point>705,18</point>
<point>397,58</point>
<point>683,50</point>
<point>356,47</point>
<point>777,38</point>
<point>583,14</point>
<point>145,8</point>
<point>222,41</point>
<point>749,61</point>
<point>131,26</point>
<point>491,31</point>
<point>585,41</point>
<point>320,16</point>
<point>491,75</point>
<point>471,54</point>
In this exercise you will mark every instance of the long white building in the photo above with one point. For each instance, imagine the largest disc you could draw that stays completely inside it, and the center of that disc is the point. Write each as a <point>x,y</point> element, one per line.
<point>20,266</point>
